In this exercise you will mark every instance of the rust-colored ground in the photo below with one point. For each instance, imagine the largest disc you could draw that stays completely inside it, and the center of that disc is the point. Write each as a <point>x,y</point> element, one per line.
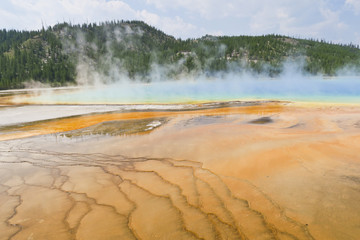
<point>210,174</point>
<point>68,124</point>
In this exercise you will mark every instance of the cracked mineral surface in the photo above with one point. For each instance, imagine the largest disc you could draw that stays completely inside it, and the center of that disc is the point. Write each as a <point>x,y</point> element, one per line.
<point>263,171</point>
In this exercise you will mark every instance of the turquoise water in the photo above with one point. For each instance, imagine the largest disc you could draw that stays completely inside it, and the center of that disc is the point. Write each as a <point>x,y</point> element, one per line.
<point>296,88</point>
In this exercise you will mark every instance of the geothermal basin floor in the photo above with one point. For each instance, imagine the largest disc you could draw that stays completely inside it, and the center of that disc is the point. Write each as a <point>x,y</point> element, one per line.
<point>260,170</point>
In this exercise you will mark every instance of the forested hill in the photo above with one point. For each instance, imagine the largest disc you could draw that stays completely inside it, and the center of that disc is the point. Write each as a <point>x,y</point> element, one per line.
<point>59,54</point>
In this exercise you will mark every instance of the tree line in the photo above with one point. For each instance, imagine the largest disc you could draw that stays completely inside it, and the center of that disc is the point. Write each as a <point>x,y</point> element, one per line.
<point>134,49</point>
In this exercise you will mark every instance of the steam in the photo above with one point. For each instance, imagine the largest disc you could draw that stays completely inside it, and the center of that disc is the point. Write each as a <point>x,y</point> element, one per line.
<point>87,73</point>
<point>35,84</point>
<point>107,81</point>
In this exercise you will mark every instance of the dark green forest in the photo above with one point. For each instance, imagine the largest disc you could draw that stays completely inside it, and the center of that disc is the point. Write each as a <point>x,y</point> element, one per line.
<point>134,49</point>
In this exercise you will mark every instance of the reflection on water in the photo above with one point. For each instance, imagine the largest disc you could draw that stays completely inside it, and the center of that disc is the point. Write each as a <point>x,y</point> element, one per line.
<point>262,120</point>
<point>117,128</point>
<point>206,119</point>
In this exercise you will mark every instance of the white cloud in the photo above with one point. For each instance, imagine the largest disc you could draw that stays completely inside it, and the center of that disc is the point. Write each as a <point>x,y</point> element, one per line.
<point>321,19</point>
<point>209,9</point>
<point>31,13</point>
<point>175,26</point>
<point>354,5</point>
<point>150,18</point>
<point>332,20</point>
<point>178,27</point>
<point>309,19</point>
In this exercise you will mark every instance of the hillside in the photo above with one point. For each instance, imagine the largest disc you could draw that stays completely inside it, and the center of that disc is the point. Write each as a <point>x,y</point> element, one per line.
<point>62,54</point>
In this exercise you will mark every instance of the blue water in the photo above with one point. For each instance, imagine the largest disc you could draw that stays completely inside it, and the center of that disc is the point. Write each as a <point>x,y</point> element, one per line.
<point>296,88</point>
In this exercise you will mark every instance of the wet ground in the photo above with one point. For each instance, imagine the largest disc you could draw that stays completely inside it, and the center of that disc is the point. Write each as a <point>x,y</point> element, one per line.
<point>257,171</point>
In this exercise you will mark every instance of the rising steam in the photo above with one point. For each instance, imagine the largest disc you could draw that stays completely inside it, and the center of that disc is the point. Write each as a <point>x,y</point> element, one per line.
<point>112,84</point>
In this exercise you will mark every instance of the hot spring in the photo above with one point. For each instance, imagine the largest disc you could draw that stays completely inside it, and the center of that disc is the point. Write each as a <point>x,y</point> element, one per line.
<point>287,88</point>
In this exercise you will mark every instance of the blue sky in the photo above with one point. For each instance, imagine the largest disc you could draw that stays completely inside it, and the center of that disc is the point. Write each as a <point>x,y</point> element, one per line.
<point>335,20</point>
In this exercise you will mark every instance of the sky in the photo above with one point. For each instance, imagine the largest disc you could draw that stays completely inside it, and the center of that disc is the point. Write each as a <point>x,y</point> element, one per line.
<point>331,20</point>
